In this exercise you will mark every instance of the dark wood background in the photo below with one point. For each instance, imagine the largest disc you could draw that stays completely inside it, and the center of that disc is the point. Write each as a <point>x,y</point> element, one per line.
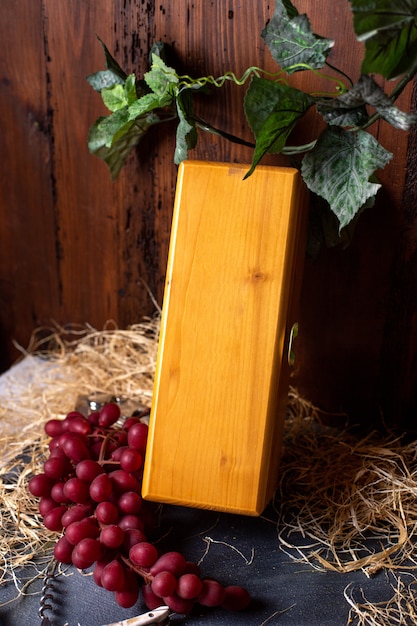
<point>77,248</point>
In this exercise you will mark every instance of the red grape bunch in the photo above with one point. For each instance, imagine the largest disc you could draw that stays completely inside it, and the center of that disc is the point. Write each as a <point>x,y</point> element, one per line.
<point>89,491</point>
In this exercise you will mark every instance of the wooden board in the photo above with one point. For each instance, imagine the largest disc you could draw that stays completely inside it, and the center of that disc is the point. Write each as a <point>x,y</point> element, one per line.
<point>222,380</point>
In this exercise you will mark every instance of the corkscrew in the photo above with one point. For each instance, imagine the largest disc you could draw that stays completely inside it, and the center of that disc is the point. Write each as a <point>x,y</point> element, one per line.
<point>47,595</point>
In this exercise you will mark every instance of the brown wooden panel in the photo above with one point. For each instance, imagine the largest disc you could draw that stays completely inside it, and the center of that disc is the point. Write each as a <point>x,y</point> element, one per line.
<point>29,282</point>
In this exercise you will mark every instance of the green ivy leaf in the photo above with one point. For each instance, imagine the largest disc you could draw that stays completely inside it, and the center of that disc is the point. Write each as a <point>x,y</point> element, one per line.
<point>112,138</point>
<point>291,41</point>
<point>161,78</point>
<point>272,110</point>
<point>112,75</point>
<point>342,110</point>
<point>339,168</point>
<point>389,30</point>
<point>120,96</point>
<point>338,115</point>
<point>144,105</point>
<point>186,136</point>
<point>114,98</point>
<point>104,79</point>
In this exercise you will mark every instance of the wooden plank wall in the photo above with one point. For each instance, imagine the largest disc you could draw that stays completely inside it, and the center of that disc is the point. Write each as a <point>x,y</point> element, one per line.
<point>76,248</point>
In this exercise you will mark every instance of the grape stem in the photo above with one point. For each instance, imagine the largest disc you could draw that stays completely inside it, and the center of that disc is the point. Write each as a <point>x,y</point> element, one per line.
<point>147,576</point>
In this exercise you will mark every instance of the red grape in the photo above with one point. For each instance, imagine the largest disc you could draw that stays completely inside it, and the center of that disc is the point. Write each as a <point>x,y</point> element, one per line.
<point>57,493</point>
<point>76,490</point>
<point>72,415</point>
<point>88,469</point>
<point>80,530</point>
<point>63,550</point>
<point>93,418</point>
<point>189,586</point>
<point>192,568</point>
<point>113,576</point>
<point>40,485</point>
<point>89,549</point>
<point>129,503</point>
<point>76,513</point>
<point>107,512</point>
<point>151,600</point>
<point>143,554</point>
<point>79,425</point>
<point>178,605</point>
<point>101,488</point>
<point>79,561</point>
<point>129,422</point>
<point>57,467</point>
<point>74,446</point>
<point>235,598</point>
<point>131,521</point>
<point>212,593</point>
<point>108,415</point>
<point>54,427</point>
<point>46,504</point>
<point>130,460</point>
<point>112,536</point>
<point>173,562</point>
<point>137,436</point>
<point>52,519</point>
<point>164,584</point>
<point>123,481</point>
<point>130,593</point>
<point>132,536</point>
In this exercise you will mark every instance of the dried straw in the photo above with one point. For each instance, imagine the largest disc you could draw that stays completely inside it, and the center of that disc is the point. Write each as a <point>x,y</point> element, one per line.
<point>399,610</point>
<point>346,502</point>
<point>61,365</point>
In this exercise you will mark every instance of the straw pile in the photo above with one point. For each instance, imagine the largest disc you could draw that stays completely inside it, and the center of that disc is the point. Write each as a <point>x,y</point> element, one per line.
<point>345,502</point>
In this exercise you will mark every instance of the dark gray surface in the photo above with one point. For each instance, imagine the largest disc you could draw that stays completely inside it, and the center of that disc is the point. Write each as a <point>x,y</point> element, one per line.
<point>285,593</point>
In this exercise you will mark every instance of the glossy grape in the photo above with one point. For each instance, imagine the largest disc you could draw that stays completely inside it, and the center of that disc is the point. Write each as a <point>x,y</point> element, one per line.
<point>189,586</point>
<point>113,576</point>
<point>164,584</point>
<point>52,519</point>
<point>107,512</point>
<point>76,490</point>
<point>40,485</point>
<point>173,562</point>
<point>143,554</point>
<point>129,503</point>
<point>212,593</point>
<point>88,469</point>
<point>101,488</point>
<point>112,536</point>
<point>235,598</point>
<point>108,415</point>
<point>57,467</point>
<point>137,436</point>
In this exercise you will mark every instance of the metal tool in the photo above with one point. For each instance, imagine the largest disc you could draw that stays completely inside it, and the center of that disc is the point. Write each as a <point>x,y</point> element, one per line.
<point>151,618</point>
<point>47,595</point>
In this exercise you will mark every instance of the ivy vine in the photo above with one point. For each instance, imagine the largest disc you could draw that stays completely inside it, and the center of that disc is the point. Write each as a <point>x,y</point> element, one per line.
<point>340,165</point>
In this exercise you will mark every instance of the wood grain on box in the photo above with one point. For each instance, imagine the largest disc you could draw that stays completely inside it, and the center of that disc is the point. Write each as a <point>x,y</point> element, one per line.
<point>222,375</point>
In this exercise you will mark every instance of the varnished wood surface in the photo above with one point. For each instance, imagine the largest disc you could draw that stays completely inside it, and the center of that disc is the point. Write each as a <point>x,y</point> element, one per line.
<point>76,248</point>
<point>217,417</point>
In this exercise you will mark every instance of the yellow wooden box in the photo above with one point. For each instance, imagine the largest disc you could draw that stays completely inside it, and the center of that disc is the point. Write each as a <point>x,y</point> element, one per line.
<point>222,375</point>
